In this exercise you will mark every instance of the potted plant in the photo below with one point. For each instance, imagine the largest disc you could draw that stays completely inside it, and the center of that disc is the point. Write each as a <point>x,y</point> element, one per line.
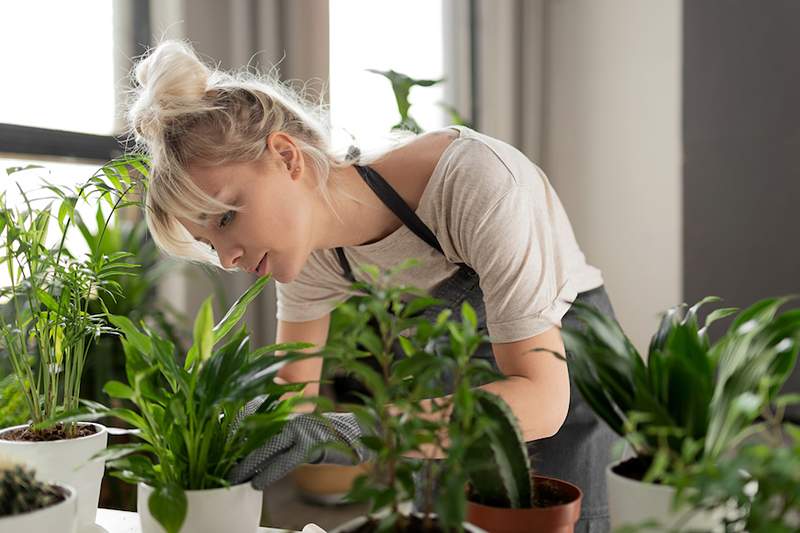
<point>33,506</point>
<point>693,401</point>
<point>405,428</point>
<point>47,329</point>
<point>190,426</point>
<point>758,483</point>
<point>505,494</point>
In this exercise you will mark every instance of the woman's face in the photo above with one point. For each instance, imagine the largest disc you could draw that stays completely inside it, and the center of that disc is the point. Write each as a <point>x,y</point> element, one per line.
<point>275,219</point>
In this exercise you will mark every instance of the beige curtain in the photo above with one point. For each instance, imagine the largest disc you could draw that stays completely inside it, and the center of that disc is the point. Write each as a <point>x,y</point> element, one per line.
<point>590,90</point>
<point>290,33</point>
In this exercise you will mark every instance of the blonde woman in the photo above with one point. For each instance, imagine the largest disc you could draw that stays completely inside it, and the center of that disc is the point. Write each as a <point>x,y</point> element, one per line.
<point>244,178</point>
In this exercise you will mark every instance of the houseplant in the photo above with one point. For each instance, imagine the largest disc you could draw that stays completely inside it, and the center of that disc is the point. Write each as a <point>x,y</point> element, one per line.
<point>506,495</point>
<point>758,483</point>
<point>189,431</point>
<point>692,401</point>
<point>47,329</point>
<point>402,426</point>
<point>472,434</point>
<point>33,506</point>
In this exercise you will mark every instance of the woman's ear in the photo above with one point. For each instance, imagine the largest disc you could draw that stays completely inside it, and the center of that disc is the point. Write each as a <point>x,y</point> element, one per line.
<point>284,150</point>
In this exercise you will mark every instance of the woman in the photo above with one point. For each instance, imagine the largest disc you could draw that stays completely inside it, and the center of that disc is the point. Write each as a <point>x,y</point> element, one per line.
<point>243,177</point>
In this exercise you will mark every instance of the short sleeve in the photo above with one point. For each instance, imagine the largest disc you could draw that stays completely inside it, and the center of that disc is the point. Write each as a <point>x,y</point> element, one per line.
<point>314,293</point>
<point>515,250</point>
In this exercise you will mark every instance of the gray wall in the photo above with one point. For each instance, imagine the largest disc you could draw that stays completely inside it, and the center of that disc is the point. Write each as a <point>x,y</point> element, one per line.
<point>741,134</point>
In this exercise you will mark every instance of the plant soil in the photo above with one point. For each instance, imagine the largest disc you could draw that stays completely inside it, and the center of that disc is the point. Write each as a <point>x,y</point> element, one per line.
<point>56,432</point>
<point>406,524</point>
<point>633,468</point>
<point>61,494</point>
<point>546,494</point>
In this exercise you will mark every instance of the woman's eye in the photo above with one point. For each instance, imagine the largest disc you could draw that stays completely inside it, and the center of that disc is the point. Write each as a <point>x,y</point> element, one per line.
<point>225,219</point>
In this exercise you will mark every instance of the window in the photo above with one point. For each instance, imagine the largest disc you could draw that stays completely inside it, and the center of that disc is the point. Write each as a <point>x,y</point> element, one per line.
<point>383,35</point>
<point>58,65</point>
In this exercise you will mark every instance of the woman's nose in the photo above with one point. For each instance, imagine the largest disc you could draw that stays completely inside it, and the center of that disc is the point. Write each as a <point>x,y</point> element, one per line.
<point>230,257</point>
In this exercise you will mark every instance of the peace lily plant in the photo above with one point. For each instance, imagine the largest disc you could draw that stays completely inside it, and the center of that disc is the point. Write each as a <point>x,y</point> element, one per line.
<point>47,328</point>
<point>189,419</point>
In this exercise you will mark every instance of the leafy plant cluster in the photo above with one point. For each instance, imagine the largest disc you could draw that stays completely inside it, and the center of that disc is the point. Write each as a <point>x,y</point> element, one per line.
<point>758,483</point>
<point>694,400</point>
<point>47,326</point>
<point>189,423</point>
<point>410,419</point>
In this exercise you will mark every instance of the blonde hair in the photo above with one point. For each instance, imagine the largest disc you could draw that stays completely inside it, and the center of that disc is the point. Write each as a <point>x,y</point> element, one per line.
<point>184,111</point>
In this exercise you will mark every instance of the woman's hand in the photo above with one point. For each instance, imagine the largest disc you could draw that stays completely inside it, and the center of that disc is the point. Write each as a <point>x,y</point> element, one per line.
<point>306,438</point>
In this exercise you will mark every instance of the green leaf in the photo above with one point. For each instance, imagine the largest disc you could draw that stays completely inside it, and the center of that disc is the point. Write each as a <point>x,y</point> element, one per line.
<point>168,507</point>
<point>203,334</point>
<point>115,389</point>
<point>236,312</point>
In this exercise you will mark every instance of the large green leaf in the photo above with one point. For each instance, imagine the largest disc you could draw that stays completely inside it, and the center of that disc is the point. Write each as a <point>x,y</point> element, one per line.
<point>168,505</point>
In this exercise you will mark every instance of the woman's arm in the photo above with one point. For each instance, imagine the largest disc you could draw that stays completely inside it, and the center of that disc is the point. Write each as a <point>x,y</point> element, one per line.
<point>536,388</point>
<point>315,332</point>
<point>537,384</point>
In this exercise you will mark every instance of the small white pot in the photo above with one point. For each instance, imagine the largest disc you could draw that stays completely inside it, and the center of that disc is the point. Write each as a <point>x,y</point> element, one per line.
<point>62,517</point>
<point>234,509</point>
<point>65,461</point>
<point>631,502</point>
<point>355,523</point>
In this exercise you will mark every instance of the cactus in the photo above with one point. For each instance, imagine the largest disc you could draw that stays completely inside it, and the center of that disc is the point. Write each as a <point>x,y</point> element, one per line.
<point>506,480</point>
<point>20,492</point>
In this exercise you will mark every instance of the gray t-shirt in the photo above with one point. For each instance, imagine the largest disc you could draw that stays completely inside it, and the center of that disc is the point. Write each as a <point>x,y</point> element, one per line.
<point>489,207</point>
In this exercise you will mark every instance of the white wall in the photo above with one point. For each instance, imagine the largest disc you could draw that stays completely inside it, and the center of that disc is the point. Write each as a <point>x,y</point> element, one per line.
<point>612,145</point>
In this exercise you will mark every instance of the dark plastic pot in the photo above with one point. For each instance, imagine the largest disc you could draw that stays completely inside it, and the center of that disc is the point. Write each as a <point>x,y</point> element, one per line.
<point>553,519</point>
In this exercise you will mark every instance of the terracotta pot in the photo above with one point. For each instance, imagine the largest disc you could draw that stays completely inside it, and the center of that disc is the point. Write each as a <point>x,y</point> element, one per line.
<point>554,519</point>
<point>326,484</point>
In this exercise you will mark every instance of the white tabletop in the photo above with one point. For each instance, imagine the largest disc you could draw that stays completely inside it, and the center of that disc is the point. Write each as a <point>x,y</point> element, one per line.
<point>113,521</point>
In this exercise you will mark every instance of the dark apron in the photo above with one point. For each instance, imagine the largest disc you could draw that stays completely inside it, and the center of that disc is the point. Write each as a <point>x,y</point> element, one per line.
<point>580,451</point>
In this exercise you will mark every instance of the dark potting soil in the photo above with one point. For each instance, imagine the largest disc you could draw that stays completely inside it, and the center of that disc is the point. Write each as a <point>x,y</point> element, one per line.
<point>546,494</point>
<point>58,494</point>
<point>633,468</point>
<point>56,432</point>
<point>412,524</point>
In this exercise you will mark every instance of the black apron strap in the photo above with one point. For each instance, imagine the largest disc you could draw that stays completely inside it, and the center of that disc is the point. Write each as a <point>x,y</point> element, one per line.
<point>399,207</point>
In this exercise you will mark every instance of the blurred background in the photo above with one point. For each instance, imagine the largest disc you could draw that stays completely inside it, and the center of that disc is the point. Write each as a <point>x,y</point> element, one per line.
<point>670,129</point>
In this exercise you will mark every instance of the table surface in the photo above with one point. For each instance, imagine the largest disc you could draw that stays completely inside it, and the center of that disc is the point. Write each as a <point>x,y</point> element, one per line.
<point>113,521</point>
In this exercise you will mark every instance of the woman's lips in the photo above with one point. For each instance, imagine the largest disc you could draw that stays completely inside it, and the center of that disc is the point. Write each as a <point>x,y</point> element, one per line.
<point>262,266</point>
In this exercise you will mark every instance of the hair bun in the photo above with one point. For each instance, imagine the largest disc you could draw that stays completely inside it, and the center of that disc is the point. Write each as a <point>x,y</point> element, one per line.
<point>171,80</point>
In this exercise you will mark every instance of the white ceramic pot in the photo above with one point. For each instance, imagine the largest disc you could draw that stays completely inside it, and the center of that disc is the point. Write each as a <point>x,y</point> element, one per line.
<point>234,509</point>
<point>65,461</point>
<point>355,523</point>
<point>632,502</point>
<point>62,517</point>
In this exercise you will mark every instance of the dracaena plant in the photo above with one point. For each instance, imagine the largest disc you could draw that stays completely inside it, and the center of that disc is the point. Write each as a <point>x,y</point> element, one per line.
<point>47,327</point>
<point>401,427</point>
<point>758,483</point>
<point>693,400</point>
<point>188,421</point>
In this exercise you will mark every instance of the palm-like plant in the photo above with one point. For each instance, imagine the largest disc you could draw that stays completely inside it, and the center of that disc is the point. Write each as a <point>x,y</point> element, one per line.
<point>47,327</point>
<point>693,399</point>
